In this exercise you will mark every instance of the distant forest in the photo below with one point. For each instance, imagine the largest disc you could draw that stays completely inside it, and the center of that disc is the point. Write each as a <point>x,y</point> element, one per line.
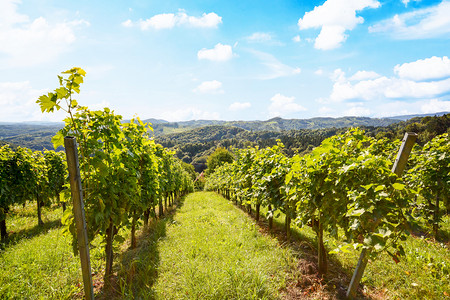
<point>33,136</point>
<point>195,145</point>
<point>194,141</point>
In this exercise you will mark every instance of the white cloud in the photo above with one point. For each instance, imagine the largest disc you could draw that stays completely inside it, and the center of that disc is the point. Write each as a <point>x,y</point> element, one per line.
<point>357,110</point>
<point>210,20</point>
<point>161,21</point>
<point>277,69</point>
<point>239,106</point>
<point>424,69</point>
<point>296,38</point>
<point>371,86</point>
<point>30,42</point>
<point>188,113</point>
<point>9,15</point>
<point>427,106</point>
<point>18,103</point>
<point>335,17</point>
<point>282,105</point>
<point>209,87</point>
<point>363,75</point>
<point>263,38</point>
<point>435,105</point>
<point>318,72</point>
<point>326,111</point>
<point>127,23</point>
<point>338,75</point>
<point>406,2</point>
<point>259,37</point>
<point>296,71</point>
<point>99,105</point>
<point>330,37</point>
<point>170,20</point>
<point>218,53</point>
<point>423,23</point>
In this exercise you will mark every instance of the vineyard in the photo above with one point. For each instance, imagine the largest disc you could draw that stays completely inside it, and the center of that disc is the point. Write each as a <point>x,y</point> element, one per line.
<point>346,197</point>
<point>347,189</point>
<point>124,174</point>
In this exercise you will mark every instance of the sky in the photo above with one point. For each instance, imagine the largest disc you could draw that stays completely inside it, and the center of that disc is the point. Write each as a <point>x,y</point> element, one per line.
<point>228,60</point>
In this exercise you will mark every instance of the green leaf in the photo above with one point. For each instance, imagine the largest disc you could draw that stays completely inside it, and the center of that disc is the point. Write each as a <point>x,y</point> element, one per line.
<point>379,188</point>
<point>398,186</point>
<point>81,71</point>
<point>47,102</point>
<point>62,93</point>
<point>58,139</point>
<point>288,177</point>
<point>367,187</point>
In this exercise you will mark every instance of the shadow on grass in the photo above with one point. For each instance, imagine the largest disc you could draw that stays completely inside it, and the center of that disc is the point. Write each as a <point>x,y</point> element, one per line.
<point>423,230</point>
<point>28,233</point>
<point>444,236</point>
<point>304,282</point>
<point>137,270</point>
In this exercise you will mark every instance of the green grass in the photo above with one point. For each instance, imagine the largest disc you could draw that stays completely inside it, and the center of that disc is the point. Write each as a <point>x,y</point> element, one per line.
<point>207,249</point>
<point>37,262</point>
<point>214,251</point>
<point>423,273</point>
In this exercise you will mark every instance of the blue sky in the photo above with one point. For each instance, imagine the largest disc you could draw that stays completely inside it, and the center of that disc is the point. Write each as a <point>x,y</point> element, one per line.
<point>229,60</point>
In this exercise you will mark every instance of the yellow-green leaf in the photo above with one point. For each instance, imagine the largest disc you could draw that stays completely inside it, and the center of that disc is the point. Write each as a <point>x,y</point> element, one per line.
<point>398,186</point>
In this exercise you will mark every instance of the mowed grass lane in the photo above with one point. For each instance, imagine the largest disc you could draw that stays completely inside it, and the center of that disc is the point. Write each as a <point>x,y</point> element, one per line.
<point>212,250</point>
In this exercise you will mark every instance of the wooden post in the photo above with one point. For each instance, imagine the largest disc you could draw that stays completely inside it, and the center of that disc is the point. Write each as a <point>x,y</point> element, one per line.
<point>403,154</point>
<point>399,166</point>
<point>78,211</point>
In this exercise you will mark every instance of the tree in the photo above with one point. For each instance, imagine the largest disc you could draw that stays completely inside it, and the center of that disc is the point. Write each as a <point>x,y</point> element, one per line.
<point>219,157</point>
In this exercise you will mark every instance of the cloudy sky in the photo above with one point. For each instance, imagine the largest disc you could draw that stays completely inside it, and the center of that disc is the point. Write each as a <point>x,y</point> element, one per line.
<point>229,60</point>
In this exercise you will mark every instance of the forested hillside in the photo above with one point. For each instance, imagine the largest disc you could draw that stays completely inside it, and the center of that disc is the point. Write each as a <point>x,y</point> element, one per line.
<point>29,135</point>
<point>161,127</point>
<point>195,145</point>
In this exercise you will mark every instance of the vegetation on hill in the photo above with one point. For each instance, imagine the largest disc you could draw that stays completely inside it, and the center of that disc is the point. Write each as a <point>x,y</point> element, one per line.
<point>274,124</point>
<point>427,127</point>
<point>195,145</point>
<point>32,136</point>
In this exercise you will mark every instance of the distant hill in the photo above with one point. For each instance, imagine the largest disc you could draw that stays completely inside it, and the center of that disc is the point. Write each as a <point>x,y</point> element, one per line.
<point>275,124</point>
<point>35,136</point>
<point>196,144</point>
<point>155,121</point>
<point>408,117</point>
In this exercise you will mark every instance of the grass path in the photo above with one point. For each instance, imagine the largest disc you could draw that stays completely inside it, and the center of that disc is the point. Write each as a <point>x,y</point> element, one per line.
<point>212,250</point>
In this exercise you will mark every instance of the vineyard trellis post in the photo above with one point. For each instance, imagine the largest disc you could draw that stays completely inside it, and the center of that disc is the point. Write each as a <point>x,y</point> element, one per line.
<point>399,166</point>
<point>78,211</point>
